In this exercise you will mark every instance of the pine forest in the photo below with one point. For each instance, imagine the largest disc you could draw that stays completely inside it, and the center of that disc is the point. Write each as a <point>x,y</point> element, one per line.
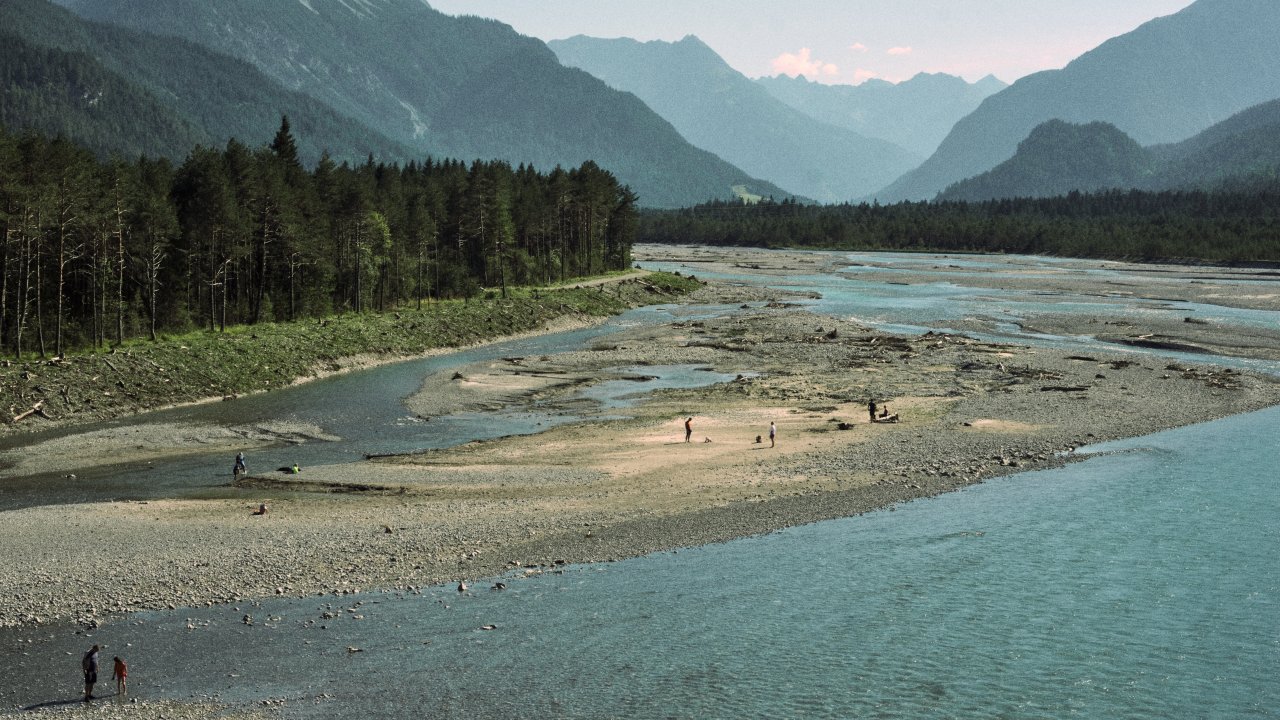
<point>96,253</point>
<point>1233,224</point>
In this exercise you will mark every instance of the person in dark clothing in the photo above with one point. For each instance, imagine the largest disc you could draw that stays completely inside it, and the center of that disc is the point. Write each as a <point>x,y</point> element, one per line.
<point>688,429</point>
<point>871,409</point>
<point>90,666</point>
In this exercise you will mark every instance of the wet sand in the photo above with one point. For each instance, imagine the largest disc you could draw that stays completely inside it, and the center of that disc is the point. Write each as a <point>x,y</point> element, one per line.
<point>608,489</point>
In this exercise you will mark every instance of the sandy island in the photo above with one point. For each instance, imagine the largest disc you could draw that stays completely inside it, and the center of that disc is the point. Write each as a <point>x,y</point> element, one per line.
<point>603,490</point>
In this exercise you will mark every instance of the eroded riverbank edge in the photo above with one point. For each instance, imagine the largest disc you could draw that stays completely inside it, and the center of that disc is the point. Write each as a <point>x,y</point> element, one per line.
<point>609,491</point>
<point>52,393</point>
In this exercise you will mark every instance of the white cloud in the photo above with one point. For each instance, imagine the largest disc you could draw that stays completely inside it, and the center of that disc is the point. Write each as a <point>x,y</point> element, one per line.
<point>862,75</point>
<point>802,63</point>
<point>858,47</point>
<point>899,50</point>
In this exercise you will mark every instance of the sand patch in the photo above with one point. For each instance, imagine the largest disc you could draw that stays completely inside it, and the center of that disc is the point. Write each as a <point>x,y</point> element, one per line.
<point>1002,426</point>
<point>141,443</point>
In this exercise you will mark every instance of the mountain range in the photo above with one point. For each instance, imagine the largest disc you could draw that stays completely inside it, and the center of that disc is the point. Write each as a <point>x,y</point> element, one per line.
<point>128,93</point>
<point>433,84</point>
<point>1165,81</point>
<point>915,114</point>
<point>1161,107</point>
<point>1060,157</point>
<point>717,108</point>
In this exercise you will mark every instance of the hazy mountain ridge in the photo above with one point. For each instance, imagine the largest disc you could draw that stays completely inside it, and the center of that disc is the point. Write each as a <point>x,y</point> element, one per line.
<point>718,109</point>
<point>915,114</point>
<point>452,87</point>
<point>1167,80</point>
<point>1059,157</point>
<point>158,96</point>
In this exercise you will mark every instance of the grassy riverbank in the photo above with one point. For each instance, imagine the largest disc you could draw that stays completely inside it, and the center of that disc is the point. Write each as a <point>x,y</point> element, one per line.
<point>143,376</point>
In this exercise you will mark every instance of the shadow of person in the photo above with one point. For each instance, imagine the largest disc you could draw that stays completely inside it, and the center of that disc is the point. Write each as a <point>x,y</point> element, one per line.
<point>54,703</point>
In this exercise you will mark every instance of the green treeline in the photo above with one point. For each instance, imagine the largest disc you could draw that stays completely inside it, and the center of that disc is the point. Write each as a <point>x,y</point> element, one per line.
<point>1240,226</point>
<point>96,253</point>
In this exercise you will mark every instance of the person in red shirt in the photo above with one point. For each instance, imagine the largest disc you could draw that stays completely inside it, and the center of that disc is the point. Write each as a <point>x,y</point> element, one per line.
<point>120,673</point>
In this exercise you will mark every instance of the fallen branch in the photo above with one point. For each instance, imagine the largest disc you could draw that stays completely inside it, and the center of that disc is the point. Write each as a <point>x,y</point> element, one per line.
<point>35,409</point>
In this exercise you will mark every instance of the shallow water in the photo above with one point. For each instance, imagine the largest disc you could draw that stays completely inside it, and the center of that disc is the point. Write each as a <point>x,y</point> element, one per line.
<point>1141,583</point>
<point>365,409</point>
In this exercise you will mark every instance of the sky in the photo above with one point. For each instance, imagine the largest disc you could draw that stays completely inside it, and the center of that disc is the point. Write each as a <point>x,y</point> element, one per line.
<point>845,41</point>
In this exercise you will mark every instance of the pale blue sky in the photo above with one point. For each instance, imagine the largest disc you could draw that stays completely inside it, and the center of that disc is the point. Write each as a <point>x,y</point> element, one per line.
<point>850,40</point>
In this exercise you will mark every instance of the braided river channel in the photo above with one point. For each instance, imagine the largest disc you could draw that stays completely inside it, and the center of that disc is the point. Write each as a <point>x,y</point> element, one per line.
<point>1142,582</point>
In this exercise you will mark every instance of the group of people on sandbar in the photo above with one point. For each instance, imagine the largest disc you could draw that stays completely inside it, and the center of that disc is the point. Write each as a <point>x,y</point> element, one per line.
<point>875,413</point>
<point>884,415</point>
<point>89,664</point>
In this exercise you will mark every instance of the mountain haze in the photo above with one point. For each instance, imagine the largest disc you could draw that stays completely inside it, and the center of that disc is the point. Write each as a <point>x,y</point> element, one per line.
<point>1165,81</point>
<point>454,87</point>
<point>717,108</point>
<point>1242,151</point>
<point>1058,158</point>
<point>915,114</point>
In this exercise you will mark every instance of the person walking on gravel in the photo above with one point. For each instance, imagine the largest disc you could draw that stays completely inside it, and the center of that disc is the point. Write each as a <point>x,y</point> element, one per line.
<point>120,673</point>
<point>773,432</point>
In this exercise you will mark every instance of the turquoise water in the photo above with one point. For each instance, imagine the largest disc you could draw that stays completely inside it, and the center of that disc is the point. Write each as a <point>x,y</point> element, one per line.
<point>365,410</point>
<point>1143,582</point>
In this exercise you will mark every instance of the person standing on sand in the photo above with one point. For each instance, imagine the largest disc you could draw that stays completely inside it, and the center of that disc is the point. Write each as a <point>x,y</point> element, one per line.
<point>688,429</point>
<point>871,409</point>
<point>773,431</point>
<point>120,674</point>
<point>90,666</point>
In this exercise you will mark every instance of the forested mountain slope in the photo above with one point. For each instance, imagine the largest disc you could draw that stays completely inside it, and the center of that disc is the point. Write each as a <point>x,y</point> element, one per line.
<point>57,92</point>
<point>1242,151</point>
<point>452,87</point>
<point>1165,81</point>
<point>123,92</point>
<point>1059,157</point>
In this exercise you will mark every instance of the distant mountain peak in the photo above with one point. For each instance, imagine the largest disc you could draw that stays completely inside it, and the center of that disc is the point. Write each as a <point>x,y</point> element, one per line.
<point>915,114</point>
<point>719,109</point>
<point>1165,81</point>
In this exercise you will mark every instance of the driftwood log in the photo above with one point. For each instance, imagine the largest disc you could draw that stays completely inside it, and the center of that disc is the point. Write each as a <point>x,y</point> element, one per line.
<point>35,409</point>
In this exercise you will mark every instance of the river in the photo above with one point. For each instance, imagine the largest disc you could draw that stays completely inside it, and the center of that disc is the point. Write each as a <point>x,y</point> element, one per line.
<point>1142,582</point>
